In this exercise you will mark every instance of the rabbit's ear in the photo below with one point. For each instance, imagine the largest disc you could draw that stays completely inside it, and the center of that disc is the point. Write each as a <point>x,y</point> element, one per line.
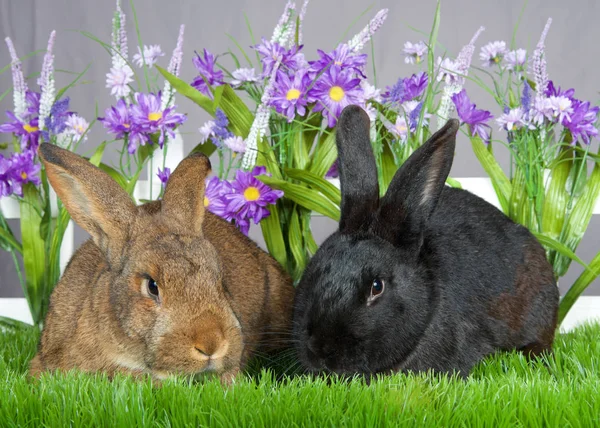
<point>183,201</point>
<point>358,171</point>
<point>93,199</point>
<point>415,189</point>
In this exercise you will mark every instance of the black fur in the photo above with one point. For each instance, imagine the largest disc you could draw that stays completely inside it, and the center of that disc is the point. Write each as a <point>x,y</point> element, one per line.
<point>461,279</point>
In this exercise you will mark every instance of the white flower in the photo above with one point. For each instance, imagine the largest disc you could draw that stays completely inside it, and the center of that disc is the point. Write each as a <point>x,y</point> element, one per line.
<point>242,75</point>
<point>447,71</point>
<point>76,126</point>
<point>206,131</point>
<point>370,92</point>
<point>151,54</point>
<point>515,60</point>
<point>512,120</point>
<point>493,53</point>
<point>400,128</point>
<point>235,143</point>
<point>414,52</point>
<point>118,80</point>
<point>560,107</point>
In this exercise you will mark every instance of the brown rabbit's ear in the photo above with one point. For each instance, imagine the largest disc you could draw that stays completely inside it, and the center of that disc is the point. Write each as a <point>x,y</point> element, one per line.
<point>183,201</point>
<point>93,199</point>
<point>415,189</point>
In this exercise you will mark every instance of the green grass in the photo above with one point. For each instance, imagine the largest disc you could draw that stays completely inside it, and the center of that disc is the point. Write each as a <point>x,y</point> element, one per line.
<point>505,390</point>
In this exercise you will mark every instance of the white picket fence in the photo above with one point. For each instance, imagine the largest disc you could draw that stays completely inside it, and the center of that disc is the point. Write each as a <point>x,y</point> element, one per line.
<point>585,309</point>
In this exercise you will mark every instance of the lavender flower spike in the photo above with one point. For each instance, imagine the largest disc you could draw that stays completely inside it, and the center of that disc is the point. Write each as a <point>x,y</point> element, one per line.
<point>19,84</point>
<point>168,97</point>
<point>301,20</point>
<point>284,29</point>
<point>119,38</point>
<point>463,62</point>
<point>46,82</point>
<point>538,64</point>
<point>261,121</point>
<point>361,39</point>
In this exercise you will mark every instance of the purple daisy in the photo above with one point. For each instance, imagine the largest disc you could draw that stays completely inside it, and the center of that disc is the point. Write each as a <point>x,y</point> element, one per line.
<point>163,176</point>
<point>551,90</point>
<point>515,60</point>
<point>151,118</point>
<point>214,199</point>
<point>414,52</point>
<point>581,121</point>
<point>249,198</point>
<point>342,56</point>
<point>24,170</point>
<point>271,52</point>
<point>476,119</point>
<point>333,91</point>
<point>27,129</point>
<point>512,120</point>
<point>32,100</point>
<point>149,56</point>
<point>117,119</point>
<point>206,67</point>
<point>5,179</point>
<point>493,53</point>
<point>559,108</point>
<point>406,89</point>
<point>289,96</point>
<point>57,121</point>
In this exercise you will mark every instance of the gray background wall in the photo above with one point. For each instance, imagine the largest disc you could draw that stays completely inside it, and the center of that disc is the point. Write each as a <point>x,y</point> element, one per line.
<point>572,53</point>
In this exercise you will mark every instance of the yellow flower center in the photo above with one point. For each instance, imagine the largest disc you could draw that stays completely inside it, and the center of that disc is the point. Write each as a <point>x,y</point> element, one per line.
<point>292,94</point>
<point>126,125</point>
<point>80,129</point>
<point>418,59</point>
<point>338,62</point>
<point>336,93</point>
<point>24,175</point>
<point>251,194</point>
<point>496,59</point>
<point>206,201</point>
<point>155,115</point>
<point>27,127</point>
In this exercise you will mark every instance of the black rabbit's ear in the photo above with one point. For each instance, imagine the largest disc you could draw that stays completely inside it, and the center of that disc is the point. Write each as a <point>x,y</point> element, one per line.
<point>357,169</point>
<point>415,189</point>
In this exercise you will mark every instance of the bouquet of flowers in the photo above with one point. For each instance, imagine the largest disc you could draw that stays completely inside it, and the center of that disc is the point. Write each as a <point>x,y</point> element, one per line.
<point>287,140</point>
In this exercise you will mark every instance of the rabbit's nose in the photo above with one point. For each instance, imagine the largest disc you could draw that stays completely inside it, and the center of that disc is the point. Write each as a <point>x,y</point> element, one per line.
<point>212,347</point>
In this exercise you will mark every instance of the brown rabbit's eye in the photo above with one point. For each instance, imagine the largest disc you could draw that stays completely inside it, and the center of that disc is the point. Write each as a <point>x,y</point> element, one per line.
<point>377,287</point>
<point>152,288</point>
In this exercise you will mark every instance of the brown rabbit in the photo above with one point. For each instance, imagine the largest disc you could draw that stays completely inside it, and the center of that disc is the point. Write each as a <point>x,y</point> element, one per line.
<point>161,288</point>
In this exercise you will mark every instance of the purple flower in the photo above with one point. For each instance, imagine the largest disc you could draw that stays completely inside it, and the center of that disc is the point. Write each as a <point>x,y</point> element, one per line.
<point>235,144</point>
<point>476,119</point>
<point>221,123</point>
<point>406,89</point>
<point>581,121</point>
<point>33,103</point>
<point>512,120</point>
<point>206,67</point>
<point>341,56</point>
<point>414,52</point>
<point>400,128</point>
<point>551,90</point>
<point>149,57</point>
<point>76,126</point>
<point>56,121</point>
<point>271,52</point>
<point>526,97</point>
<point>333,171</point>
<point>560,108</point>
<point>250,197</point>
<point>163,176</point>
<point>150,117</point>
<point>26,129</point>
<point>5,179</point>
<point>493,53</point>
<point>515,60</point>
<point>289,96</point>
<point>333,91</point>
<point>24,170</point>
<point>538,64</point>
<point>117,119</point>
<point>214,199</point>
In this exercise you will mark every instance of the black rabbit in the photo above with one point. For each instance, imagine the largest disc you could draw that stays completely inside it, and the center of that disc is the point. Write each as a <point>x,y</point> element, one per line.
<point>428,277</point>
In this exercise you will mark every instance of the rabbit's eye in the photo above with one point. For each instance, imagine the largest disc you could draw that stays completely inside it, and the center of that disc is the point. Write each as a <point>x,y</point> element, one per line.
<point>151,288</point>
<point>377,287</point>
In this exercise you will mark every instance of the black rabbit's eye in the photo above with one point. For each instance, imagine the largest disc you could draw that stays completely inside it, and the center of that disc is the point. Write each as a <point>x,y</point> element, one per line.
<point>377,287</point>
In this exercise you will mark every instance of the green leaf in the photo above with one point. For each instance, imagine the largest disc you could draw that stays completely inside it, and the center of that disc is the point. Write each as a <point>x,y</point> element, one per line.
<point>271,230</point>
<point>519,207</point>
<point>388,168</point>
<point>583,281</point>
<point>34,256</point>
<point>97,156</point>
<point>309,239</point>
<point>501,183</point>
<point>579,218</point>
<point>12,323</point>
<point>70,85</point>
<point>298,145</point>
<point>554,211</point>
<point>239,115</point>
<point>296,245</point>
<point>114,174</point>
<point>555,245</point>
<point>188,91</point>
<point>325,155</point>
<point>316,182</point>
<point>10,240</point>
<point>453,183</point>
<point>304,197</point>
<point>207,148</point>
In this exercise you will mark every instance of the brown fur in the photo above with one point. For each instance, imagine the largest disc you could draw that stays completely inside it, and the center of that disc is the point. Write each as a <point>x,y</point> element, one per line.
<point>221,297</point>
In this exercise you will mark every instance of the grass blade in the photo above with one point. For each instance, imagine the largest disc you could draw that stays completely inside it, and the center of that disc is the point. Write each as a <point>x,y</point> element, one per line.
<point>316,182</point>
<point>501,183</point>
<point>585,279</point>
